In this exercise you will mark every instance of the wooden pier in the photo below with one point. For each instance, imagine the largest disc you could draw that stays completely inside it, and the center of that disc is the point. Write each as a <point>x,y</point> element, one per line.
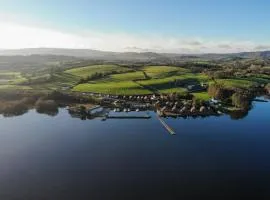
<point>169,129</point>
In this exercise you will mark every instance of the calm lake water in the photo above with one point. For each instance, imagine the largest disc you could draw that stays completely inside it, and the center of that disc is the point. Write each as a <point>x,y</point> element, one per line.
<point>55,158</point>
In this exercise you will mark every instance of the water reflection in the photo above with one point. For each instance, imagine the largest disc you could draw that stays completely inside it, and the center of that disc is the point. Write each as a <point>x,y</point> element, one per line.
<point>239,114</point>
<point>236,115</point>
<point>62,158</point>
<point>49,112</point>
<point>14,110</point>
<point>15,114</point>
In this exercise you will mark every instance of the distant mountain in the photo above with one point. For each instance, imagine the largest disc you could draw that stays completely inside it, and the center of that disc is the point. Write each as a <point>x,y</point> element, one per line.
<point>81,53</point>
<point>54,51</point>
<point>143,56</point>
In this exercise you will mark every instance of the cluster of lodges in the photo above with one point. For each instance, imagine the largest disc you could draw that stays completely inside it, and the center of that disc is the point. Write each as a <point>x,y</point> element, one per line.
<point>135,101</point>
<point>136,98</point>
<point>165,105</point>
<point>169,105</point>
<point>181,107</point>
<point>184,108</point>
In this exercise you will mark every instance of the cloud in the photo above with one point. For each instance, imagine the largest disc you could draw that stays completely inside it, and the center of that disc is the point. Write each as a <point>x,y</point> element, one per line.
<point>224,46</point>
<point>136,49</point>
<point>16,35</point>
<point>192,43</point>
<point>262,47</point>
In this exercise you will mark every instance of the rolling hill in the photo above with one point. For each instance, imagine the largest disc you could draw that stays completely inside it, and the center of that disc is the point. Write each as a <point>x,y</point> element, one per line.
<point>143,56</point>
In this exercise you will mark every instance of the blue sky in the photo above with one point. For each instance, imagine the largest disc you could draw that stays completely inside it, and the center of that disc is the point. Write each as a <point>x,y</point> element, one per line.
<point>236,24</point>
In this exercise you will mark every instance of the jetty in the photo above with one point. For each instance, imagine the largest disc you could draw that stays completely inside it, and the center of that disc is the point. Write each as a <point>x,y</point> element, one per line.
<point>166,126</point>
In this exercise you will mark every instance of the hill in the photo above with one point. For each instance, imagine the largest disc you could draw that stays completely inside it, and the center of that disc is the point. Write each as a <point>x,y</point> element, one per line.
<point>144,56</point>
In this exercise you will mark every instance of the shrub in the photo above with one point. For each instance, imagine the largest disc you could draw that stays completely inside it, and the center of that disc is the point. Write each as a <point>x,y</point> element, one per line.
<point>240,100</point>
<point>197,102</point>
<point>219,92</point>
<point>267,87</point>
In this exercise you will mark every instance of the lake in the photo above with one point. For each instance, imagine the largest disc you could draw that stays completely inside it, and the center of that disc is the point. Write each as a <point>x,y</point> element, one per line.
<point>60,157</point>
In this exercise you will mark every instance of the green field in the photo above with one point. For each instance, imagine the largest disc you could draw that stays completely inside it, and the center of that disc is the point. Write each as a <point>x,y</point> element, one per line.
<point>259,78</point>
<point>127,76</point>
<point>117,84</point>
<point>178,90</point>
<point>162,71</point>
<point>14,87</point>
<point>167,85</point>
<point>11,78</point>
<point>236,83</point>
<point>202,96</point>
<point>115,88</point>
<point>58,81</point>
<point>121,80</point>
<point>90,70</point>
<point>134,83</point>
<point>166,80</point>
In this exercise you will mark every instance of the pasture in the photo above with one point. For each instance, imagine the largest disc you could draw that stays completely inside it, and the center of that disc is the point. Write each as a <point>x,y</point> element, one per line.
<point>120,80</point>
<point>84,72</point>
<point>163,71</point>
<point>112,87</point>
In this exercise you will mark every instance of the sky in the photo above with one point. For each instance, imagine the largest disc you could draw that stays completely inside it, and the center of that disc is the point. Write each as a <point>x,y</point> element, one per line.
<point>171,26</point>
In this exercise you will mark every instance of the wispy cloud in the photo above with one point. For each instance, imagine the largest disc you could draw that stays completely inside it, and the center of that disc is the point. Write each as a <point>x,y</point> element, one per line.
<point>13,36</point>
<point>224,46</point>
<point>262,47</point>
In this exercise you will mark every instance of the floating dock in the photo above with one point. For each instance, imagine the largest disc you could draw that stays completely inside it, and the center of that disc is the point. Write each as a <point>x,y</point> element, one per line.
<point>169,129</point>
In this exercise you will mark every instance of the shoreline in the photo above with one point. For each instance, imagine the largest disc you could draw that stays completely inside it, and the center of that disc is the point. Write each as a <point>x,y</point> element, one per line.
<point>80,104</point>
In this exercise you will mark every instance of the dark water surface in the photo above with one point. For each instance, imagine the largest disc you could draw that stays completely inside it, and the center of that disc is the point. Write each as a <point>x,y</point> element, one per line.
<point>55,158</point>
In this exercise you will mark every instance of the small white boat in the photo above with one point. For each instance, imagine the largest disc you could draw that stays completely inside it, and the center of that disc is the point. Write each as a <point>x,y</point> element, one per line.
<point>220,113</point>
<point>125,110</point>
<point>115,110</point>
<point>137,110</point>
<point>128,109</point>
